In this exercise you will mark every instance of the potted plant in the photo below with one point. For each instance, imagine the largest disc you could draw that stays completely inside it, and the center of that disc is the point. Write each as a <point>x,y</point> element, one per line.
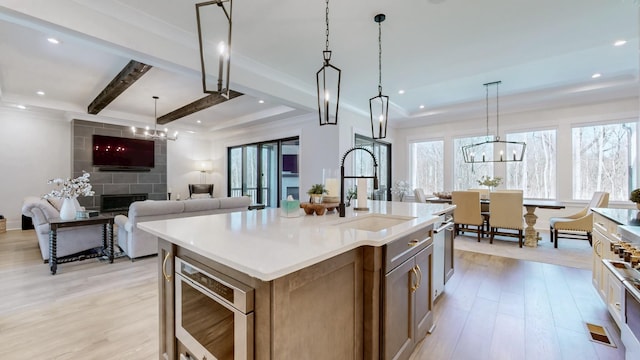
<point>351,194</point>
<point>316,192</point>
<point>635,197</point>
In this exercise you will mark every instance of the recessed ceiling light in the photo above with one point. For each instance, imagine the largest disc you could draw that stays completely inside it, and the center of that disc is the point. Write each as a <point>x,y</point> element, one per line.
<point>199,121</point>
<point>421,106</point>
<point>21,107</point>
<point>261,101</point>
<point>40,92</point>
<point>596,75</point>
<point>400,92</point>
<point>619,42</point>
<point>191,131</point>
<point>53,40</point>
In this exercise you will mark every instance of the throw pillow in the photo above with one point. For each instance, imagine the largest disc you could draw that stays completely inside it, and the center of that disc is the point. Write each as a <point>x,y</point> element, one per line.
<point>56,203</point>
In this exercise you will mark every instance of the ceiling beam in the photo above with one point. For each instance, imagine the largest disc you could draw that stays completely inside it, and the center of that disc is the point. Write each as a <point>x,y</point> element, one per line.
<point>201,104</point>
<point>127,76</point>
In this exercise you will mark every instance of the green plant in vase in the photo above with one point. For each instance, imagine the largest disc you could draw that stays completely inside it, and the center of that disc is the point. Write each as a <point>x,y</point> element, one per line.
<point>351,194</point>
<point>315,192</point>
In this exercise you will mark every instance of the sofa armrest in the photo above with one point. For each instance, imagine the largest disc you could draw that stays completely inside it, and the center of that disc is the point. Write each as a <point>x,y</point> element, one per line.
<point>123,222</point>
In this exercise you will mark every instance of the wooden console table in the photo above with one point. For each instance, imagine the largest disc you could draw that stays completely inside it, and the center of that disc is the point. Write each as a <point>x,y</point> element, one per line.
<point>107,240</point>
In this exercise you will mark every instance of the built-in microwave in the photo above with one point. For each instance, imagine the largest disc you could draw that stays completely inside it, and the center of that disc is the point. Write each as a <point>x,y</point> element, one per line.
<point>214,313</point>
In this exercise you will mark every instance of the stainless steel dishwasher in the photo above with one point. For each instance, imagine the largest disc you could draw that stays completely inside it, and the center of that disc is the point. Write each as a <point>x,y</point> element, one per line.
<point>442,253</point>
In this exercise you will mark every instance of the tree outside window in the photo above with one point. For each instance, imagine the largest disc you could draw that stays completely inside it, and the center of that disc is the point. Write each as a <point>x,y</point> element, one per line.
<point>536,173</point>
<point>602,160</point>
<point>466,175</point>
<point>427,166</point>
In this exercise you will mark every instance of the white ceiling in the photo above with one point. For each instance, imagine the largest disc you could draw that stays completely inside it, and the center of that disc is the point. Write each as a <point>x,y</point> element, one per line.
<point>439,51</point>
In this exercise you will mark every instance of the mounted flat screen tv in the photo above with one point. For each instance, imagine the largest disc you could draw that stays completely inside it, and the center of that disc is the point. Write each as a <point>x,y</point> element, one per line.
<point>112,153</point>
<point>290,163</point>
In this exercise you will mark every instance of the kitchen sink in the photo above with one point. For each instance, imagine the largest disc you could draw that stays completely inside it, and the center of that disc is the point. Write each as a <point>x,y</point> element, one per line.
<point>374,222</point>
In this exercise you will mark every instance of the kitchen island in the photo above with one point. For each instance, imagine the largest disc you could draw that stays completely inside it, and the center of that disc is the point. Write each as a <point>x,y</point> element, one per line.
<point>357,287</point>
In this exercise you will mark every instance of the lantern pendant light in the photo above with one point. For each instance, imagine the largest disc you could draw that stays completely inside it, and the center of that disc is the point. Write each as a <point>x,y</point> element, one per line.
<point>379,105</point>
<point>494,149</point>
<point>328,83</point>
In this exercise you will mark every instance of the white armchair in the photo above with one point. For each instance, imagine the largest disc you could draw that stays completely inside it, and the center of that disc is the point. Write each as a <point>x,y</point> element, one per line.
<point>578,225</point>
<point>419,194</point>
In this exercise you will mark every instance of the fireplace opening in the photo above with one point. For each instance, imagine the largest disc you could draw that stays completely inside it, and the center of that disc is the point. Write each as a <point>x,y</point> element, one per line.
<point>119,202</point>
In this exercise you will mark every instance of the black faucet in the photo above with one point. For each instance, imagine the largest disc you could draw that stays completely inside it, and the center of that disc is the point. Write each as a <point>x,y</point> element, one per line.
<point>341,207</point>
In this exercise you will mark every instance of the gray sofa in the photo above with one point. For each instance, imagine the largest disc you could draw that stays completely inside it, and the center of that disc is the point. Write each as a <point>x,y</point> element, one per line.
<point>137,243</point>
<point>70,240</point>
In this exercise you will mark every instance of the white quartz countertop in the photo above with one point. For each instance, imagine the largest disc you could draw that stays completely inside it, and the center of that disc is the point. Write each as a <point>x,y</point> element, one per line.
<point>267,246</point>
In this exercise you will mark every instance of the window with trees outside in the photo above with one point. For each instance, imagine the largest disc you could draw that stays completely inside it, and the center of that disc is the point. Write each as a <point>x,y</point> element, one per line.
<point>536,173</point>
<point>466,176</point>
<point>427,166</point>
<point>603,158</point>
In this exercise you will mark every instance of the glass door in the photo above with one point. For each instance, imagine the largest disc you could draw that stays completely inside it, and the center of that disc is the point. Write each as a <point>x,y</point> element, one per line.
<point>267,172</point>
<point>268,192</point>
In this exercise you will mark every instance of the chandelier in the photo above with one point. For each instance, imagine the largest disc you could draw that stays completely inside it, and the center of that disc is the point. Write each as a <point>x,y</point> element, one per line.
<point>222,41</point>
<point>493,149</point>
<point>328,83</point>
<point>155,134</point>
<point>379,105</point>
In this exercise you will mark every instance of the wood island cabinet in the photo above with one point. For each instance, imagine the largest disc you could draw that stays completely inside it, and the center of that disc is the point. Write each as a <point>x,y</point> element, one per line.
<point>366,303</point>
<point>166,283</point>
<point>408,306</point>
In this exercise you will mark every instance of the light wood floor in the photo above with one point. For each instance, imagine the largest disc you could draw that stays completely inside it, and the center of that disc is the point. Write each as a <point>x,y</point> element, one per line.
<point>493,308</point>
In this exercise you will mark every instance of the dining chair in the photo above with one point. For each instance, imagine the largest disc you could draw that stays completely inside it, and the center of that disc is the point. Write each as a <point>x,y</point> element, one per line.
<point>467,212</point>
<point>485,208</point>
<point>579,225</point>
<point>420,196</point>
<point>506,214</point>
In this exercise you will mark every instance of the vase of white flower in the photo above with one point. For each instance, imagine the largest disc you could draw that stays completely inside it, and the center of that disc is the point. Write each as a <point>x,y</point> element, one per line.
<point>68,209</point>
<point>401,188</point>
<point>69,191</point>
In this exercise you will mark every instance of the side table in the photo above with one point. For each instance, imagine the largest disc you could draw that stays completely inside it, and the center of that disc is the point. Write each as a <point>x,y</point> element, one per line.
<point>107,240</point>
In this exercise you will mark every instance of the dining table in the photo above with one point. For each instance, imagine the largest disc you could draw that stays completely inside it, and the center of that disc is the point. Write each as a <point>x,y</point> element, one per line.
<point>531,236</point>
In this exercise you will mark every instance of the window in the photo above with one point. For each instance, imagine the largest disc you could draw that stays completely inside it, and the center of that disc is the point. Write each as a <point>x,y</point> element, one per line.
<point>364,164</point>
<point>427,166</point>
<point>536,174</point>
<point>466,175</point>
<point>603,160</point>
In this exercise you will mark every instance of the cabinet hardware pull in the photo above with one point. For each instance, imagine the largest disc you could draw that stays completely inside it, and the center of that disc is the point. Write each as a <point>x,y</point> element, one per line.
<point>415,286</point>
<point>617,305</point>
<point>419,276</point>
<point>413,242</point>
<point>164,267</point>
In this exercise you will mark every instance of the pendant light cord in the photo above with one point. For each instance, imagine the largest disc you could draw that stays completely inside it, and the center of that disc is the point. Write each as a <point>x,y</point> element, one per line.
<point>379,58</point>
<point>327,22</point>
<point>486,87</point>
<point>497,112</point>
<point>497,84</point>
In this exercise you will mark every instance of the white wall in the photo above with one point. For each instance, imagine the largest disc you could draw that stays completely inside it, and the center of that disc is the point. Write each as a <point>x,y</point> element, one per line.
<point>34,147</point>
<point>183,157</point>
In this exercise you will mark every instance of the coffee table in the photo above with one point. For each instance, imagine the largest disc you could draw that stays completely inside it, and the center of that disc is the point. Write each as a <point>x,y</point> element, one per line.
<point>107,240</point>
